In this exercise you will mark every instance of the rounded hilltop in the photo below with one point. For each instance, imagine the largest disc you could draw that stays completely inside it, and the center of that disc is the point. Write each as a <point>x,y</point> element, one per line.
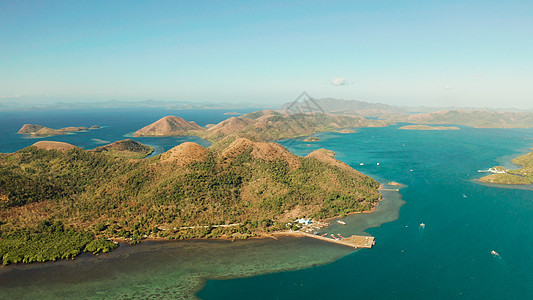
<point>169,126</point>
<point>184,154</point>
<point>260,150</point>
<point>51,145</point>
<point>29,128</point>
<point>125,148</point>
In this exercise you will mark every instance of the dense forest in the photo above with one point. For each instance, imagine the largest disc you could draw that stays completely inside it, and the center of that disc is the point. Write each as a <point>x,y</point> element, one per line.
<point>70,201</point>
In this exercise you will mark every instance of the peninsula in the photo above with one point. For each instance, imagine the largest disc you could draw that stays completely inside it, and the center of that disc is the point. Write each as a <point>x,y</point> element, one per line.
<point>41,131</point>
<point>58,200</point>
<point>524,175</point>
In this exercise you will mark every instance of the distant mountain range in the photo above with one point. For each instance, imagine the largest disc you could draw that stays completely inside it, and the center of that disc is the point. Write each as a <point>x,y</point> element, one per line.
<point>369,109</point>
<point>344,107</point>
<point>475,117</point>
<point>178,105</point>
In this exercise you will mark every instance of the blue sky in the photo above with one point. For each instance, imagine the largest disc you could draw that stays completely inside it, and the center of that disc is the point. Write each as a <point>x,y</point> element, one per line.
<point>462,53</point>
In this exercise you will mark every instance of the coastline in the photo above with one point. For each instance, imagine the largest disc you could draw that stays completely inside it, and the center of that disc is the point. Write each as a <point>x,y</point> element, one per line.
<point>258,236</point>
<point>274,234</point>
<point>268,235</point>
<point>272,246</point>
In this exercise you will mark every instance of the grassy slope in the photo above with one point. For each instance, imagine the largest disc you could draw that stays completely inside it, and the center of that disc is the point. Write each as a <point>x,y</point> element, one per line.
<point>278,126</point>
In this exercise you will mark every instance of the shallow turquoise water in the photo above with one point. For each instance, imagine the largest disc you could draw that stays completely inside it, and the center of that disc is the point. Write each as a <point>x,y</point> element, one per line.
<point>450,257</point>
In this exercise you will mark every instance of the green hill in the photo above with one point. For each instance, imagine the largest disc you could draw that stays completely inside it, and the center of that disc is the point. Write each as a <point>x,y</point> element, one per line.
<point>126,148</point>
<point>72,200</point>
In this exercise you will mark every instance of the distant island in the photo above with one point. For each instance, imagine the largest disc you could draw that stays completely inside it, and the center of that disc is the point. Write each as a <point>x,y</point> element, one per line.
<point>169,126</point>
<point>58,200</point>
<point>312,139</point>
<point>502,175</point>
<point>346,130</point>
<point>265,125</point>
<point>426,127</point>
<point>41,131</point>
<point>474,118</point>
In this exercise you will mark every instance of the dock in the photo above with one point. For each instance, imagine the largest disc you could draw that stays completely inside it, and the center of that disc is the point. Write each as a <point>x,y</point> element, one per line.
<point>354,241</point>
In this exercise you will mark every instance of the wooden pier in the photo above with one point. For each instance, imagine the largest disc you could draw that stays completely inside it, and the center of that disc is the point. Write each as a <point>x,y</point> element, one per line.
<point>354,241</point>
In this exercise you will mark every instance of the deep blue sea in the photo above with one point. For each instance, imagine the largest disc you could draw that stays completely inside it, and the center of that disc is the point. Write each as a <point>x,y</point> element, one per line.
<point>449,258</point>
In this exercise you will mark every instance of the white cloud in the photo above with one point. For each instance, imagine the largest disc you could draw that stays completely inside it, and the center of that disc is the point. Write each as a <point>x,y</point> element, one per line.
<point>339,81</point>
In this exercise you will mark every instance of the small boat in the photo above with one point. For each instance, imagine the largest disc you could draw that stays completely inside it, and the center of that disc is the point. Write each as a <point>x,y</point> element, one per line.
<point>361,164</point>
<point>465,196</point>
<point>340,236</point>
<point>494,253</point>
<point>324,234</point>
<point>341,222</point>
<point>377,164</point>
<point>333,236</point>
<point>422,225</point>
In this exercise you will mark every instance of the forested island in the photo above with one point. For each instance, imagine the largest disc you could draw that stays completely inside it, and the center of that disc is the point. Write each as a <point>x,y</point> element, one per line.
<point>524,175</point>
<point>58,200</point>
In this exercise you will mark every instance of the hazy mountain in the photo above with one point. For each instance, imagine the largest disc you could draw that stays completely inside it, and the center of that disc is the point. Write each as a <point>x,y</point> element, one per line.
<point>340,106</point>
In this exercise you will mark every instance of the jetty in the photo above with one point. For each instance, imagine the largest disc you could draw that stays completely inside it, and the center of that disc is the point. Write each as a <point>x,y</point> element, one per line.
<point>354,241</point>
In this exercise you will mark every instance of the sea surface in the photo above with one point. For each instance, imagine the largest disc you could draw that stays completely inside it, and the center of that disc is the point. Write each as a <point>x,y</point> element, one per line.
<point>448,258</point>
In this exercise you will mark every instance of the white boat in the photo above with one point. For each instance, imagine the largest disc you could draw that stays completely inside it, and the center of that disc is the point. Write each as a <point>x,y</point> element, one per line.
<point>422,225</point>
<point>341,222</point>
<point>494,253</point>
